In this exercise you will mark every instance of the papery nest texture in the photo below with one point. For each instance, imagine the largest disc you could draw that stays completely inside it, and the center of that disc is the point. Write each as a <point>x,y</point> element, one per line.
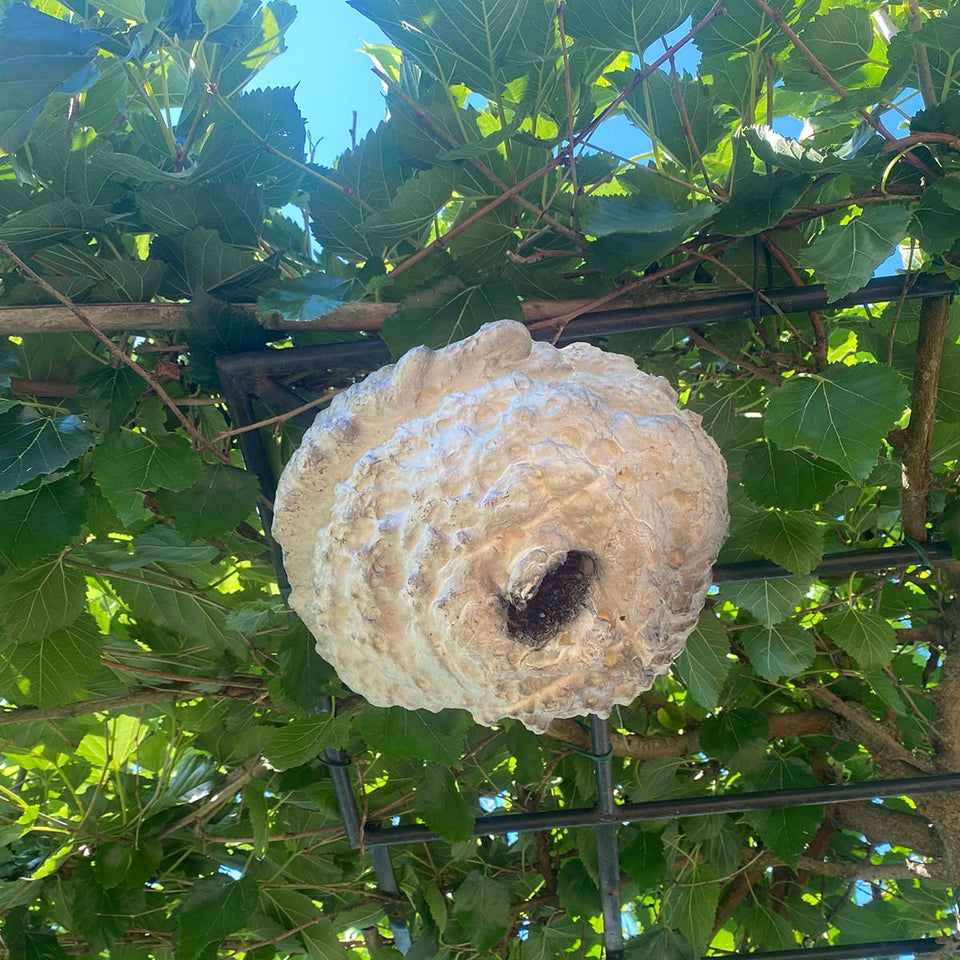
<point>503,526</point>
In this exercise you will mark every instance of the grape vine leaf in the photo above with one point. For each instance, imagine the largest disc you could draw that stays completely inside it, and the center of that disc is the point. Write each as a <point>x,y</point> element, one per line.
<point>792,540</point>
<point>215,907</point>
<point>41,521</point>
<point>300,741</point>
<point>415,734</point>
<point>788,479</point>
<point>781,650</point>
<point>845,256</point>
<point>38,601</point>
<point>786,831</point>
<point>220,498</point>
<point>482,905</point>
<point>770,601</point>
<point>128,461</point>
<point>32,445</point>
<point>841,414</point>
<point>705,663</point>
<point>866,636</point>
<point>441,806</point>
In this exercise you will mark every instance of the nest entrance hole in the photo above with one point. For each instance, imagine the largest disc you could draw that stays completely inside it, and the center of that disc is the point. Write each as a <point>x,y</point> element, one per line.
<point>557,602</point>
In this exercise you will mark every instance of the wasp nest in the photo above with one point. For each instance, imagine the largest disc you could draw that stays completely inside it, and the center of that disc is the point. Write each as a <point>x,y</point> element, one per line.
<point>502,526</point>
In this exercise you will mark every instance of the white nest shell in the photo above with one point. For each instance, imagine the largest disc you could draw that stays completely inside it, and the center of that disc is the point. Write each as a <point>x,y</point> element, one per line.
<point>504,527</point>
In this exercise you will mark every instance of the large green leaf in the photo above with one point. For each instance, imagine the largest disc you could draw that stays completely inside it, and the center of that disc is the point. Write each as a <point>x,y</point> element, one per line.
<point>731,732</point>
<point>220,499</point>
<point>705,663</point>
<point>59,665</point>
<point>659,943</point>
<point>788,479</point>
<point>450,311</point>
<point>310,296</point>
<point>127,461</point>
<point>633,233</point>
<point>770,601</point>
<point>866,636</point>
<point>843,42</point>
<point>781,650</point>
<point>110,395</point>
<point>41,521</point>
<point>216,907</point>
<point>841,414</point>
<point>845,256</point>
<point>615,25</point>
<point>433,737</point>
<point>32,444</point>
<point>304,676</point>
<point>793,540</point>
<point>182,612</point>
<point>482,905</point>
<point>758,203</point>
<point>301,741</point>
<point>38,601</point>
<point>691,903</point>
<point>786,831</point>
<point>441,805</point>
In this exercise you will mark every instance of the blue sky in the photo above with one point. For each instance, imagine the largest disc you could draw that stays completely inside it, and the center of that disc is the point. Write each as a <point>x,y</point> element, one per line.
<point>331,77</point>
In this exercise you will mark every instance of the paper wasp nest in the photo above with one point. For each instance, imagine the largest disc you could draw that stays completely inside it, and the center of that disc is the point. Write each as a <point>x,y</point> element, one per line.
<point>502,526</point>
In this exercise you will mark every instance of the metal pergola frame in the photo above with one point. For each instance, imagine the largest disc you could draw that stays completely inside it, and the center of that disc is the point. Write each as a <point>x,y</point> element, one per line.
<point>258,375</point>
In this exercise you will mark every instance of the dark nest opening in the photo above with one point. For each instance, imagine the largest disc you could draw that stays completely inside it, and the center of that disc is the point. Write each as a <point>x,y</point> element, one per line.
<point>557,602</point>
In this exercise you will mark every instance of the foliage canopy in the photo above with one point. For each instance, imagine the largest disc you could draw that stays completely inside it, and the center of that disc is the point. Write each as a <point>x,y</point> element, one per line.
<point>160,791</point>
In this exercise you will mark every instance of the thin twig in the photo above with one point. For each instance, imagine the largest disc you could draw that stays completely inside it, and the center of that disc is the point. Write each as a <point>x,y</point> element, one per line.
<point>280,418</point>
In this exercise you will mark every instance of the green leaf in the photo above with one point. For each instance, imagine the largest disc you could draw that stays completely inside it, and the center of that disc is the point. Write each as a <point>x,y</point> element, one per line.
<point>845,256</point>
<point>441,806</point>
<point>842,40</point>
<point>235,210</point>
<point>449,311</point>
<point>296,910</point>
<point>220,499</point>
<point>770,601</point>
<point>866,636</point>
<point>841,414</point>
<point>690,903</point>
<point>415,734</point>
<point>60,664</point>
<point>41,521</point>
<point>111,864</point>
<point>32,445</point>
<point>672,110</point>
<point>948,386</point>
<point>309,297</point>
<point>301,741</point>
<point>782,650</point>
<point>634,233</point>
<point>787,154</point>
<point>577,891</point>
<point>51,222</point>
<point>128,461</point>
<point>786,831</point>
<point>304,675</point>
<point>792,540</point>
<point>40,600</point>
<point>413,208</point>
<point>705,664</point>
<point>616,25</point>
<point>182,613</point>
<point>732,731</point>
<point>482,906</point>
<point>109,395</point>
<point>642,857</point>
<point>256,804</point>
<point>659,943</point>
<point>788,479</point>
<point>26,939</point>
<point>758,203</point>
<point>215,907</point>
<point>217,13</point>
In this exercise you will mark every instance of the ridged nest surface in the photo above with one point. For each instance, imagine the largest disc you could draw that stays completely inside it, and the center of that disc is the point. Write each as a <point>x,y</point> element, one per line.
<point>504,527</point>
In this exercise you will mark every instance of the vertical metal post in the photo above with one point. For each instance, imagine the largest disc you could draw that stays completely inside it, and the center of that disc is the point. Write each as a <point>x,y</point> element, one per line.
<point>608,851</point>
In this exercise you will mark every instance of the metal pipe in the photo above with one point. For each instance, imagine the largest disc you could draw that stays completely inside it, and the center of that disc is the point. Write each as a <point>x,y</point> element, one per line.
<point>857,951</point>
<point>608,851</point>
<point>838,564</point>
<point>671,809</point>
<point>387,882</point>
<point>371,352</point>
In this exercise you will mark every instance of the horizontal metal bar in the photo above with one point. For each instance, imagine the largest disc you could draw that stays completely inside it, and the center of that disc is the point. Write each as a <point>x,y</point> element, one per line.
<point>855,951</point>
<point>671,809</point>
<point>371,352</point>
<point>839,564</point>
